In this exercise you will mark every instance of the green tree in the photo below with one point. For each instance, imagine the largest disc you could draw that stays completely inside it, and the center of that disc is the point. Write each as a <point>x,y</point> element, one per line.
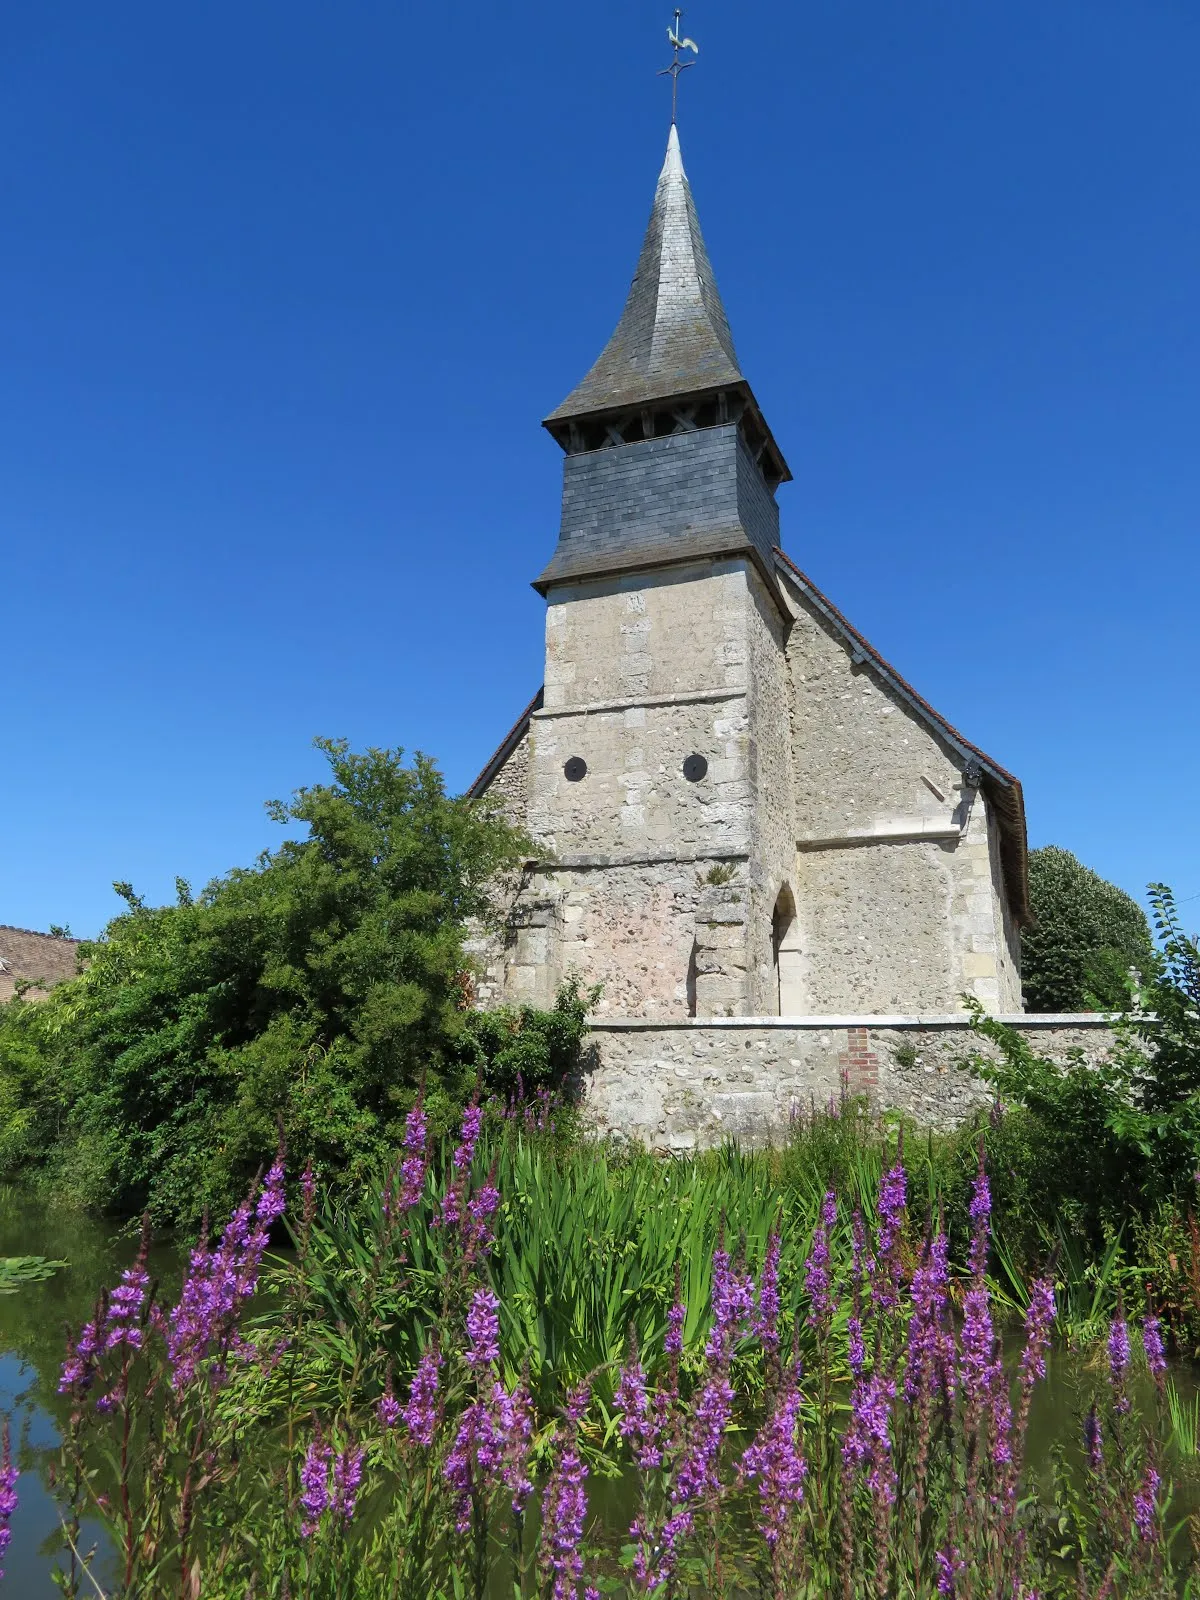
<point>1086,936</point>
<point>317,989</point>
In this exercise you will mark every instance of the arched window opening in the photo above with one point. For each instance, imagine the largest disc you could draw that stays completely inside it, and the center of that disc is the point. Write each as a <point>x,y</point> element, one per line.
<point>786,956</point>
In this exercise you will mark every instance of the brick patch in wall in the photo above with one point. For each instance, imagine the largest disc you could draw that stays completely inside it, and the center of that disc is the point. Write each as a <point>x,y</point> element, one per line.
<point>859,1062</point>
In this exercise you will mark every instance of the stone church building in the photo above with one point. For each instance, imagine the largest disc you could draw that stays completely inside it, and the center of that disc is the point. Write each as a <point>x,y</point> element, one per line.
<point>749,820</point>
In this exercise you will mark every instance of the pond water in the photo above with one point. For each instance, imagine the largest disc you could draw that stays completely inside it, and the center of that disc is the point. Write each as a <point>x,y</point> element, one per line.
<point>33,1325</point>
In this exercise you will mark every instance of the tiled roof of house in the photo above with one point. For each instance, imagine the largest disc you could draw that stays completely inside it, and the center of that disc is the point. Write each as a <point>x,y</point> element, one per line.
<point>42,958</point>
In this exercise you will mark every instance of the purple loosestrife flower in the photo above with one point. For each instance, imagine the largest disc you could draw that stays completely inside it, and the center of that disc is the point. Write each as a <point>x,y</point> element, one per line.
<point>219,1282</point>
<point>347,1476</point>
<point>817,1268</point>
<point>515,1418</point>
<point>456,1469</point>
<point>1152,1344</point>
<point>1093,1441</point>
<point>696,1473</point>
<point>779,1466</point>
<point>980,1212</point>
<point>1118,1363</point>
<point>927,1337</point>
<point>766,1323</point>
<point>412,1168</point>
<point>79,1368</point>
<point>483,1330</point>
<point>656,1558</point>
<point>950,1565</point>
<point>122,1324</point>
<point>388,1409</point>
<point>272,1202</point>
<point>420,1414</point>
<point>1145,1505</point>
<point>564,1507</point>
<point>868,1439</point>
<point>673,1342</point>
<point>638,1422</point>
<point>314,1486</point>
<point>8,1493</point>
<point>855,1350</point>
<point>893,1197</point>
<point>978,1345</point>
<point>1039,1319</point>
<point>468,1138</point>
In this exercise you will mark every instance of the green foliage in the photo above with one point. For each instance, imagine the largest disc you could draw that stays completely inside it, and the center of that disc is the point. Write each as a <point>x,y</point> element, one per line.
<point>316,990</point>
<point>1086,936</point>
<point>1086,1147</point>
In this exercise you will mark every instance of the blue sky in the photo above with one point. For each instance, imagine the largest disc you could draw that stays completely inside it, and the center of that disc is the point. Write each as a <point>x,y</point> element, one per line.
<point>286,289</point>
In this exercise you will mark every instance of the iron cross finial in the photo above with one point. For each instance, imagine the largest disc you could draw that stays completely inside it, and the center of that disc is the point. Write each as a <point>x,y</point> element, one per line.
<point>678,43</point>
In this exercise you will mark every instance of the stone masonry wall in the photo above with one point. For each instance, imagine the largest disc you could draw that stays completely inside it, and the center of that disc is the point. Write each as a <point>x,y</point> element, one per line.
<point>900,897</point>
<point>773,820</point>
<point>691,1085</point>
<point>642,672</point>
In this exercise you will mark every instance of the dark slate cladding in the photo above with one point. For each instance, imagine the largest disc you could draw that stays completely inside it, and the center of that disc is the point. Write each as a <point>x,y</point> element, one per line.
<point>673,337</point>
<point>660,501</point>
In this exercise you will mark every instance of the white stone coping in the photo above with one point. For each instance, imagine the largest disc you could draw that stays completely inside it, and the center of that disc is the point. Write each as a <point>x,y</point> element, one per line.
<point>956,1020</point>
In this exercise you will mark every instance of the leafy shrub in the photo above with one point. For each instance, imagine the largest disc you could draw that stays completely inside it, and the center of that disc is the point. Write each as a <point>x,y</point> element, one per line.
<point>315,990</point>
<point>1089,1147</point>
<point>1086,936</point>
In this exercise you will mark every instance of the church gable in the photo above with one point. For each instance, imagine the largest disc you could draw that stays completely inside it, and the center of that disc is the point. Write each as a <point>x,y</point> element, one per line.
<point>898,761</point>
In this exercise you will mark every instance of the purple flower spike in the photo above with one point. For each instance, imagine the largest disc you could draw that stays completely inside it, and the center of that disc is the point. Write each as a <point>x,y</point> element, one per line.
<point>219,1282</point>
<point>673,1343</point>
<point>1152,1344</point>
<point>469,1137</point>
<point>775,1460</point>
<point>347,1476</point>
<point>981,1217</point>
<point>421,1412</point>
<point>928,1340</point>
<point>1118,1362</point>
<point>9,1474</point>
<point>816,1268</point>
<point>564,1507</point>
<point>1039,1319</point>
<point>388,1410</point>
<point>950,1565</point>
<point>638,1421</point>
<point>1145,1505</point>
<point>1093,1441</point>
<point>314,1486</point>
<point>868,1439</point>
<point>483,1330</point>
<point>766,1324</point>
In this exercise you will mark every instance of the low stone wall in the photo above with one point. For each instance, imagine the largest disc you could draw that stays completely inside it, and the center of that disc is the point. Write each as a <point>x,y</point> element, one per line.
<point>685,1085</point>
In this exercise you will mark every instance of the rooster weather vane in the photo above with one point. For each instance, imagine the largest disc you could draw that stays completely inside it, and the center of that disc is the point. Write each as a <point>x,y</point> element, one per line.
<point>678,43</point>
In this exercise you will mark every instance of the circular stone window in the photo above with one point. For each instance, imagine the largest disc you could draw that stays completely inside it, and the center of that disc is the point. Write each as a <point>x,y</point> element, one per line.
<point>694,768</point>
<point>575,769</point>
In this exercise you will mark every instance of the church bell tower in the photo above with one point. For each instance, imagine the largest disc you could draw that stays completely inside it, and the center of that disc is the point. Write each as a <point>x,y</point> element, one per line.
<point>659,780</point>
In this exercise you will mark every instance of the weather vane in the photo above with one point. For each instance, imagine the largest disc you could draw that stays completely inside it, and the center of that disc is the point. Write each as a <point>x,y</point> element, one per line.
<point>677,44</point>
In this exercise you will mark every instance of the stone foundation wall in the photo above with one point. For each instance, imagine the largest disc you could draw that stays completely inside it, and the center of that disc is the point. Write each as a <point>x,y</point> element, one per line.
<point>690,1084</point>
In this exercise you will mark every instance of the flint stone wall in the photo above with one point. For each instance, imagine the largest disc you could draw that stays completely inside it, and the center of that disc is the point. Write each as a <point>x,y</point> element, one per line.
<point>691,1084</point>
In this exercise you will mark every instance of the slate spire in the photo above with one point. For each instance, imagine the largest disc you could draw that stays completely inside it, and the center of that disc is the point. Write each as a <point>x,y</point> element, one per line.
<point>673,337</point>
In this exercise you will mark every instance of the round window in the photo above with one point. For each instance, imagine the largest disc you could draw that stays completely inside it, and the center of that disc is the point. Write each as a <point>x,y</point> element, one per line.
<point>694,768</point>
<point>575,769</point>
